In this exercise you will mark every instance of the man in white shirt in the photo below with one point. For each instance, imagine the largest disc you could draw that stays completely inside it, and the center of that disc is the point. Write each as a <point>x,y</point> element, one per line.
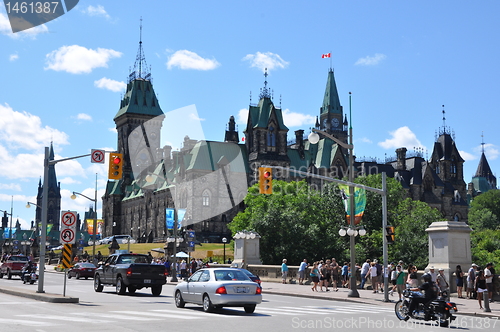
<point>364,271</point>
<point>433,273</point>
<point>489,280</point>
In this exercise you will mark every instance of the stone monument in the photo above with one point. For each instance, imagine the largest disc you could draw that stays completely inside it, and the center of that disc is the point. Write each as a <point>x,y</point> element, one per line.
<point>449,246</point>
<point>246,249</point>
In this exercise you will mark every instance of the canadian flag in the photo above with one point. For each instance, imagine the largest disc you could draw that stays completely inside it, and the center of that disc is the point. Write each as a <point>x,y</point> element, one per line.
<point>327,55</point>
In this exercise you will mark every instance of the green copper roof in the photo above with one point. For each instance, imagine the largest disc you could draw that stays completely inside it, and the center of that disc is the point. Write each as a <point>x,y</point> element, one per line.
<point>331,101</point>
<point>140,98</point>
<point>261,114</point>
<point>205,155</point>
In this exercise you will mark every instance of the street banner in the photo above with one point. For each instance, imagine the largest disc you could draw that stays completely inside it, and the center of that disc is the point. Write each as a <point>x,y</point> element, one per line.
<point>90,226</point>
<point>359,203</point>
<point>169,217</point>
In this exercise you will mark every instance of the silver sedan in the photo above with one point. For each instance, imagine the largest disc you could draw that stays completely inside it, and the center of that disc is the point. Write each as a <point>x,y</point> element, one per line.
<point>219,287</point>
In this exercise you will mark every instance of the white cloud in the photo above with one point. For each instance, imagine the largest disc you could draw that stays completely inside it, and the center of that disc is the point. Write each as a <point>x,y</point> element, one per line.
<point>242,117</point>
<point>113,130</point>
<point>109,84</point>
<point>490,150</point>
<point>77,59</point>
<point>96,11</point>
<point>267,60</point>
<point>401,137</point>
<point>371,60</point>
<point>13,57</point>
<point>83,116</point>
<point>467,156</point>
<point>10,186</point>
<point>364,140</point>
<point>6,29</point>
<point>185,59</point>
<point>195,117</point>
<point>24,130</point>
<point>294,119</point>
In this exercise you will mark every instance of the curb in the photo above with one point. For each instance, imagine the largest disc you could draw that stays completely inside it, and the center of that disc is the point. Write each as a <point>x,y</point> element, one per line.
<point>46,297</point>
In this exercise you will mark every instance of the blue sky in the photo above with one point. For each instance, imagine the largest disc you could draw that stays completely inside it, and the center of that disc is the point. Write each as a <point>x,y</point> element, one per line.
<point>402,60</point>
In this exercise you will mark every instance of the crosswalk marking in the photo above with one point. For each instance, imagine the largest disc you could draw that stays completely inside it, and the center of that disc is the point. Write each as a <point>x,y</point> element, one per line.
<point>124,317</point>
<point>27,322</point>
<point>157,315</point>
<point>190,312</point>
<point>62,319</point>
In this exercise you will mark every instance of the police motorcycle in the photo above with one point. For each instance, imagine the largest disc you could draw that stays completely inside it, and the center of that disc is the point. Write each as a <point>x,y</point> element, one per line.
<point>438,310</point>
<point>28,274</point>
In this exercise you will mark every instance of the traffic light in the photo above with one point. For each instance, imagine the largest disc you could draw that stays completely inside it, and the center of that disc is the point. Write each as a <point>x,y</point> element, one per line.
<point>265,180</point>
<point>389,234</point>
<point>115,166</point>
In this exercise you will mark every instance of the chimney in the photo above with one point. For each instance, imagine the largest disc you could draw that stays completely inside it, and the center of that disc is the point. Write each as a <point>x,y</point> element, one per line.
<point>299,142</point>
<point>401,159</point>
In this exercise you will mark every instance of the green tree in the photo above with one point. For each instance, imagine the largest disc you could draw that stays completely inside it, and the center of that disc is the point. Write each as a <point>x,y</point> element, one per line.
<point>410,220</point>
<point>485,211</point>
<point>485,247</point>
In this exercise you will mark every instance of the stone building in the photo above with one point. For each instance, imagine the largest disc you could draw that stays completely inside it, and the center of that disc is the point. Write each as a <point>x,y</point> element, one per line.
<point>206,181</point>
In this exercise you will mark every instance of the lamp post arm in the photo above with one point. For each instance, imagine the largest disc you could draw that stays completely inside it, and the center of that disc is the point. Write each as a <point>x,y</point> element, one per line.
<point>90,199</point>
<point>336,140</point>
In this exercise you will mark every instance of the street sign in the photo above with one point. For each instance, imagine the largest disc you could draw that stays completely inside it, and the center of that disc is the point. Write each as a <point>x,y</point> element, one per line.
<point>97,156</point>
<point>68,227</point>
<point>66,256</point>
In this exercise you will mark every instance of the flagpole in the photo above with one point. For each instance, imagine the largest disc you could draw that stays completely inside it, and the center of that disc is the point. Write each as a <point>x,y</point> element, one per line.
<point>331,60</point>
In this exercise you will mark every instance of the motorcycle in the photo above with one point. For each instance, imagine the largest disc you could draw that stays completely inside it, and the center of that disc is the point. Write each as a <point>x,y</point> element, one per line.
<point>29,276</point>
<point>438,310</point>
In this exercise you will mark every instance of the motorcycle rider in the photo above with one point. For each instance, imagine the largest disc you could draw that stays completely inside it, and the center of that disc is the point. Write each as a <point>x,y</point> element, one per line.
<point>430,293</point>
<point>28,268</point>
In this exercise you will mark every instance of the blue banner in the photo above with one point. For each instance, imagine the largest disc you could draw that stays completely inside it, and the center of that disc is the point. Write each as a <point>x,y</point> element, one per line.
<point>169,217</point>
<point>6,233</point>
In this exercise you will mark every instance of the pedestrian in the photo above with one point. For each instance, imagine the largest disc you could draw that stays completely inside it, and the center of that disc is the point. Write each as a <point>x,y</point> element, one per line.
<point>302,271</point>
<point>324,275</point>
<point>314,274</point>
<point>284,271</point>
<point>412,279</point>
<point>99,256</point>
<point>365,268</point>
<point>183,267</point>
<point>394,277</point>
<point>345,275</point>
<point>480,287</point>
<point>373,276</point>
<point>400,280</point>
<point>380,276</point>
<point>471,276</point>
<point>442,284</point>
<point>460,281</point>
<point>488,276</point>
<point>433,273</point>
<point>85,256</point>
<point>335,273</point>
<point>193,266</point>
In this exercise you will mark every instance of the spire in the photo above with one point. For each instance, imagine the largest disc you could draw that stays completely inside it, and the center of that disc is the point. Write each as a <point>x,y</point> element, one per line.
<point>52,180</point>
<point>331,100</point>
<point>264,92</point>
<point>141,69</point>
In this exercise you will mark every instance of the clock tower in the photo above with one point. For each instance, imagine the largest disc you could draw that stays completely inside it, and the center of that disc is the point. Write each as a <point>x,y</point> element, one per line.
<point>331,112</point>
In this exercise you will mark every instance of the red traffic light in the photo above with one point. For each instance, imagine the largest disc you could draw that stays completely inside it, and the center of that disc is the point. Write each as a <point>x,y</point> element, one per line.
<point>117,160</point>
<point>267,174</point>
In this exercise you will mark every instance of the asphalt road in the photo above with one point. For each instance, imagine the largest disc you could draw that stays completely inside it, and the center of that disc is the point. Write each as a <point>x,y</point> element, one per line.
<point>107,311</point>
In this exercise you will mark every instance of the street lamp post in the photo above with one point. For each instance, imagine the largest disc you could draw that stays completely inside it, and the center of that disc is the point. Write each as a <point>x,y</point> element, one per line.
<point>224,240</point>
<point>314,139</point>
<point>94,238</point>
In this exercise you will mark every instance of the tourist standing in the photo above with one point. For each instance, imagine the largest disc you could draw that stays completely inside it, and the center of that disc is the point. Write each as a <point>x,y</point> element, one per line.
<point>284,271</point>
<point>302,271</point>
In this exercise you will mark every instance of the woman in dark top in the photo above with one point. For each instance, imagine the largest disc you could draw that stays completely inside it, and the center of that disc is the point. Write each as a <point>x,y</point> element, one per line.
<point>460,281</point>
<point>480,286</point>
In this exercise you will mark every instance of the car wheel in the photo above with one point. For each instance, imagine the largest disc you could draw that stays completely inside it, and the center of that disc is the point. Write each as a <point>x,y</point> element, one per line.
<point>131,289</point>
<point>179,301</point>
<point>207,304</point>
<point>156,290</point>
<point>1,275</point>
<point>32,282</point>
<point>9,275</point>
<point>120,287</point>
<point>97,284</point>
<point>249,309</point>
<point>69,275</point>
<point>86,278</point>
<point>77,275</point>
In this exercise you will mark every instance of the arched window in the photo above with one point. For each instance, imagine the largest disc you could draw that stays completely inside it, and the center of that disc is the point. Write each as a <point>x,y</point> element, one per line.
<point>205,198</point>
<point>271,137</point>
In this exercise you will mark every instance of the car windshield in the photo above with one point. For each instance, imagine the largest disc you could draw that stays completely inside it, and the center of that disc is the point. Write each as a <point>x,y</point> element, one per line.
<point>129,259</point>
<point>230,275</point>
<point>18,258</point>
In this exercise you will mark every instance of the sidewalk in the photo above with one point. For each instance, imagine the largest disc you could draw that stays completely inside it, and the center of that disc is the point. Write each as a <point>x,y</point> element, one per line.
<point>464,306</point>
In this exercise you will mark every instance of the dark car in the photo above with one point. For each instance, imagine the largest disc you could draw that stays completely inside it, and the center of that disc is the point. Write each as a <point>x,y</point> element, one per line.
<point>252,276</point>
<point>83,269</point>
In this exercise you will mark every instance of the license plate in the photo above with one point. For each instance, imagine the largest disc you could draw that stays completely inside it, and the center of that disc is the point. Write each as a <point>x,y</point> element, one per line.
<point>147,281</point>
<point>241,290</point>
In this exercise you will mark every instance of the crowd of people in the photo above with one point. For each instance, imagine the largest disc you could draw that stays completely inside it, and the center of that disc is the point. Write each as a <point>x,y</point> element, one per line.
<point>329,274</point>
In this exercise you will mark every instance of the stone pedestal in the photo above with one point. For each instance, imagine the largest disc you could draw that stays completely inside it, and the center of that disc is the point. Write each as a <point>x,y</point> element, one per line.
<point>449,246</point>
<point>246,248</point>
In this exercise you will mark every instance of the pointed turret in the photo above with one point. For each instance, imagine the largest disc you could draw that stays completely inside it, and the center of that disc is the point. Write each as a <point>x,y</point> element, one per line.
<point>484,179</point>
<point>331,100</point>
<point>331,112</point>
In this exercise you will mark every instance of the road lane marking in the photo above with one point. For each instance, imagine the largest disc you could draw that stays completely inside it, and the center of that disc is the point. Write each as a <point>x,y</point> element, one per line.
<point>152,314</point>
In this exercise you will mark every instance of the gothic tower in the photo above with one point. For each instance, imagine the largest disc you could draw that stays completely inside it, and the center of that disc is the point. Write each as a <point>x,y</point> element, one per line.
<point>266,134</point>
<point>331,112</point>
<point>54,199</point>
